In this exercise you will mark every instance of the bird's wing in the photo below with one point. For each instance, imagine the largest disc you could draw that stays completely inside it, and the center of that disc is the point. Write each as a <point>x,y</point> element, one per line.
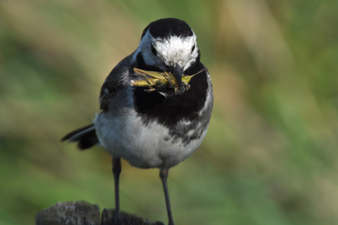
<point>116,80</point>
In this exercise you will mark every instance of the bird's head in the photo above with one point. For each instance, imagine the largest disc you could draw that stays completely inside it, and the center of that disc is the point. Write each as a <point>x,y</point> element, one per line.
<point>169,45</point>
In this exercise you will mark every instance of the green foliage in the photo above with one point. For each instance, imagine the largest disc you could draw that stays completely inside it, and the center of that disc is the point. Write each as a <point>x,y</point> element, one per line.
<point>270,156</point>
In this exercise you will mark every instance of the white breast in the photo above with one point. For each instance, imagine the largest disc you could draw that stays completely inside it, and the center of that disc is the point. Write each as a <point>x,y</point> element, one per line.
<point>142,146</point>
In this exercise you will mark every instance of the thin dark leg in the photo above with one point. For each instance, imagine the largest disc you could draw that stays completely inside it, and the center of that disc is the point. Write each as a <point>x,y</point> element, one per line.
<point>116,171</point>
<point>164,175</point>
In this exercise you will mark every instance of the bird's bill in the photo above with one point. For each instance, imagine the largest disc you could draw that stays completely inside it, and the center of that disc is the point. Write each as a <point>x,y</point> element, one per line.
<point>177,71</point>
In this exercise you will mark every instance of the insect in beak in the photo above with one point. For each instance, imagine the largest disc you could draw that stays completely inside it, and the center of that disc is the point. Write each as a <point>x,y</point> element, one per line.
<point>154,80</point>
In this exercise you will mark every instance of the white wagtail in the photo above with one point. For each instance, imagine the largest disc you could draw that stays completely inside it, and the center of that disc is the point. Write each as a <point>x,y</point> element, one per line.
<point>153,129</point>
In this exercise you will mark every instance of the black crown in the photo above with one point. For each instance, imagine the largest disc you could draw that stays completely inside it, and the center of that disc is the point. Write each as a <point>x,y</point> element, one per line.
<point>163,28</point>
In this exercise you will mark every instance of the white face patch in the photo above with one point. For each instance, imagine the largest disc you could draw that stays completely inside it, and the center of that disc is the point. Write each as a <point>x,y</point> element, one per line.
<point>170,51</point>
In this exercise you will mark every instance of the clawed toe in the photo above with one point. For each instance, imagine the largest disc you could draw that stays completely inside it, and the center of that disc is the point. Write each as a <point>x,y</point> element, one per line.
<point>117,220</point>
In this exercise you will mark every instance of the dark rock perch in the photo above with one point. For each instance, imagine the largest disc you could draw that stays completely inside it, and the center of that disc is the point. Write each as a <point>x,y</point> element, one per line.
<point>84,213</point>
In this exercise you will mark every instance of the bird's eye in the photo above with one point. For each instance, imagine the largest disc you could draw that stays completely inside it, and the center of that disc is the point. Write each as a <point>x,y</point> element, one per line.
<point>193,48</point>
<point>153,49</point>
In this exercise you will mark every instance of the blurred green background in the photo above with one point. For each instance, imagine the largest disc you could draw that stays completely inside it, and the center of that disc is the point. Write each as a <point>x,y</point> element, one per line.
<point>270,156</point>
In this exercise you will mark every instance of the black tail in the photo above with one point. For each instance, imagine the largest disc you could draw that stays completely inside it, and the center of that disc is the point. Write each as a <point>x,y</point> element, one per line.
<point>85,137</point>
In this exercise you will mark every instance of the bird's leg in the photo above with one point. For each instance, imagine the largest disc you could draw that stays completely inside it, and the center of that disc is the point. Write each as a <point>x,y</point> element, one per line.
<point>164,175</point>
<point>116,172</point>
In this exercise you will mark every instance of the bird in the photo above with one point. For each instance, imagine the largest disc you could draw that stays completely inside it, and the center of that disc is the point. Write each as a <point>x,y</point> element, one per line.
<point>158,128</point>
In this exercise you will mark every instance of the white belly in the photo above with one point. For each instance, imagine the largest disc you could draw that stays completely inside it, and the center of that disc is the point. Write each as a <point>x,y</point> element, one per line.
<point>142,146</point>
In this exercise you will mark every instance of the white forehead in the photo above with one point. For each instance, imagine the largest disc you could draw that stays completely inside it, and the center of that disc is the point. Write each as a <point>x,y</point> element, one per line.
<point>171,50</point>
<point>175,49</point>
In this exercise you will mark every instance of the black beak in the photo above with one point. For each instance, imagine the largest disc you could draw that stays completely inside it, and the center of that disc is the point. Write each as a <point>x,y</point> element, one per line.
<point>177,71</point>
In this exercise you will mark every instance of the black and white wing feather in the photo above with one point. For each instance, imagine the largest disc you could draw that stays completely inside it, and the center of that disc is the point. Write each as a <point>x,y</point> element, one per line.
<point>116,80</point>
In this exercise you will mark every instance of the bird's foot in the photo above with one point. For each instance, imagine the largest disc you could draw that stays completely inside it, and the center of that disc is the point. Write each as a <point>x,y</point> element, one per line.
<point>117,219</point>
<point>110,217</point>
